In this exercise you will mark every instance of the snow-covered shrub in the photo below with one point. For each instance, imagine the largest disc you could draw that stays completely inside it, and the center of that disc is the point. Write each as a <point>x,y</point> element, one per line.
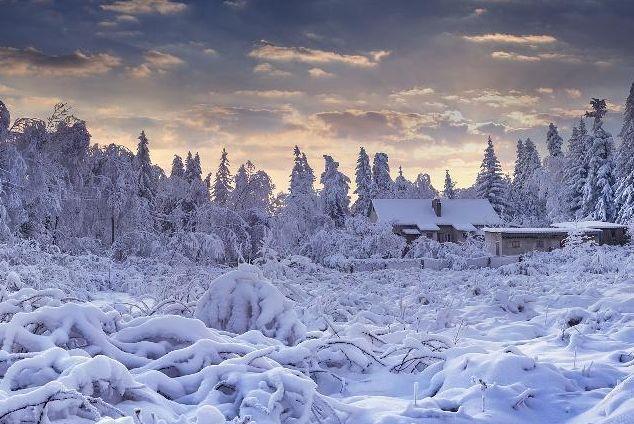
<point>244,300</point>
<point>359,239</point>
<point>197,247</point>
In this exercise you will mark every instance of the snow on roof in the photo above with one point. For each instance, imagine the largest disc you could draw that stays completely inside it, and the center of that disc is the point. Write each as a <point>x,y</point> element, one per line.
<point>536,230</point>
<point>462,214</point>
<point>587,224</point>
<point>411,231</point>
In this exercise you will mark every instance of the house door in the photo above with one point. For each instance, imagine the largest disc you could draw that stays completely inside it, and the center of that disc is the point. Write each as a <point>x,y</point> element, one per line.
<point>497,248</point>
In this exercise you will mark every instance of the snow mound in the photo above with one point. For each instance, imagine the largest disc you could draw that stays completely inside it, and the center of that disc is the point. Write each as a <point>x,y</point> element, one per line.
<point>244,300</point>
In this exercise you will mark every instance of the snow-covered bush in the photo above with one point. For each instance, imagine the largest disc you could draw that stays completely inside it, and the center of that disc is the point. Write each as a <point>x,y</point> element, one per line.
<point>244,300</point>
<point>359,239</point>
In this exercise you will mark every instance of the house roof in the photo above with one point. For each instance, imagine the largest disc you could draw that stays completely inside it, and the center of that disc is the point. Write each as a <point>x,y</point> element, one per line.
<point>587,224</point>
<point>534,231</point>
<point>462,214</point>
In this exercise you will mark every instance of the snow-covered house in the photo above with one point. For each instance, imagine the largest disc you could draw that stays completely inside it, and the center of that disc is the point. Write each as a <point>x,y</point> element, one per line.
<point>439,219</point>
<point>610,232</point>
<point>510,241</point>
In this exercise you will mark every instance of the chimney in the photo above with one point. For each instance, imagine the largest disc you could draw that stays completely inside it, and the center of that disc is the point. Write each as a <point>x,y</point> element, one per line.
<point>437,206</point>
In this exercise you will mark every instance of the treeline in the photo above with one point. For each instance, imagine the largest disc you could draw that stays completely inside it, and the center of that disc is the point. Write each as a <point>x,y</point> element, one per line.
<point>62,192</point>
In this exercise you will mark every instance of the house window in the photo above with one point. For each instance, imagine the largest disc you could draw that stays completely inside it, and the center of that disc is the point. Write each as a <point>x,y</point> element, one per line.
<point>515,244</point>
<point>540,243</point>
<point>613,233</point>
<point>445,237</point>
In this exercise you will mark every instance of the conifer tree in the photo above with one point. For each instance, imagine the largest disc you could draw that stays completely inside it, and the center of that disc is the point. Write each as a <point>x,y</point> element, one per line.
<point>146,180</point>
<point>334,195</point>
<point>598,191</point>
<point>490,181</point>
<point>381,176</point>
<point>221,188</point>
<point>554,141</point>
<point>403,189</point>
<point>178,170</point>
<point>363,181</point>
<point>449,190</point>
<point>576,169</point>
<point>625,164</point>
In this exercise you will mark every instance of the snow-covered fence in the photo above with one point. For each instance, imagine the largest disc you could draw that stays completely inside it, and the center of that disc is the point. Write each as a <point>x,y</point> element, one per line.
<point>364,265</point>
<point>497,261</point>
<point>360,265</point>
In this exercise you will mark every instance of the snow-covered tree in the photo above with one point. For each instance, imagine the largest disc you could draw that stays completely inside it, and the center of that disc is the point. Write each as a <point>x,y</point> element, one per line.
<point>381,176</point>
<point>146,180</point>
<point>449,190</point>
<point>221,188</point>
<point>5,119</point>
<point>576,169</point>
<point>526,206</point>
<point>334,195</point>
<point>490,183</point>
<point>625,164</point>
<point>598,191</point>
<point>403,188</point>
<point>302,175</point>
<point>553,184</point>
<point>178,169</point>
<point>423,188</point>
<point>554,141</point>
<point>364,185</point>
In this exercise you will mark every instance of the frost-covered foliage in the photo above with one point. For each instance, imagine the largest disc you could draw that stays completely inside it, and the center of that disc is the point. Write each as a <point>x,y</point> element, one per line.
<point>244,300</point>
<point>63,193</point>
<point>544,340</point>
<point>359,239</point>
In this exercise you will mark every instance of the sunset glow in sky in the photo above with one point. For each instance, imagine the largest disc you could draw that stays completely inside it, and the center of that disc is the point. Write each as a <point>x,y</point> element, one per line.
<point>424,81</point>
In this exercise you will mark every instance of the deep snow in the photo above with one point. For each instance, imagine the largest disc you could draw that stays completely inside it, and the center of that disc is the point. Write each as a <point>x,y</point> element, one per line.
<point>546,340</point>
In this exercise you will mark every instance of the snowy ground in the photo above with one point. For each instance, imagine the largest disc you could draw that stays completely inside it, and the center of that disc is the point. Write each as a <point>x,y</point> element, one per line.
<point>547,340</point>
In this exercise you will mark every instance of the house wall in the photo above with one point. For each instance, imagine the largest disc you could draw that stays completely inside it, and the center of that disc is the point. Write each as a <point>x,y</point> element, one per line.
<point>449,233</point>
<point>613,236</point>
<point>510,245</point>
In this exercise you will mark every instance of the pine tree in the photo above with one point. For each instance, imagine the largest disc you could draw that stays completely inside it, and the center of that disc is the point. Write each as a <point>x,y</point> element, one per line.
<point>381,175</point>
<point>335,192</point>
<point>146,180</point>
<point>423,188</point>
<point>403,188</point>
<point>490,181</point>
<point>302,176</point>
<point>178,170</point>
<point>553,141</point>
<point>449,190</point>
<point>5,119</point>
<point>625,164</point>
<point>221,188</point>
<point>598,191</point>
<point>363,181</point>
<point>553,184</point>
<point>576,169</point>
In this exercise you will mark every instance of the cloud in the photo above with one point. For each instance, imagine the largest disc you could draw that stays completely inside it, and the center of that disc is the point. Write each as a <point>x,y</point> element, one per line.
<point>155,62</point>
<point>511,39</point>
<point>162,60</point>
<point>545,90</point>
<point>497,99</point>
<point>270,94</point>
<point>392,126</point>
<point>500,55</point>
<point>530,119</point>
<point>270,70</point>
<point>517,57</point>
<point>145,7</point>
<point>31,61</point>
<point>404,96</point>
<point>319,73</point>
<point>573,93</point>
<point>270,52</point>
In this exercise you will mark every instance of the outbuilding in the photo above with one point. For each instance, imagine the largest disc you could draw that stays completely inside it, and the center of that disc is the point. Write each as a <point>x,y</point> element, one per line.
<point>609,232</point>
<point>510,241</point>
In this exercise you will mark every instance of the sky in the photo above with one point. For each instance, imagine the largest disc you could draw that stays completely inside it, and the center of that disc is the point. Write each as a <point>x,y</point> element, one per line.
<point>424,81</point>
